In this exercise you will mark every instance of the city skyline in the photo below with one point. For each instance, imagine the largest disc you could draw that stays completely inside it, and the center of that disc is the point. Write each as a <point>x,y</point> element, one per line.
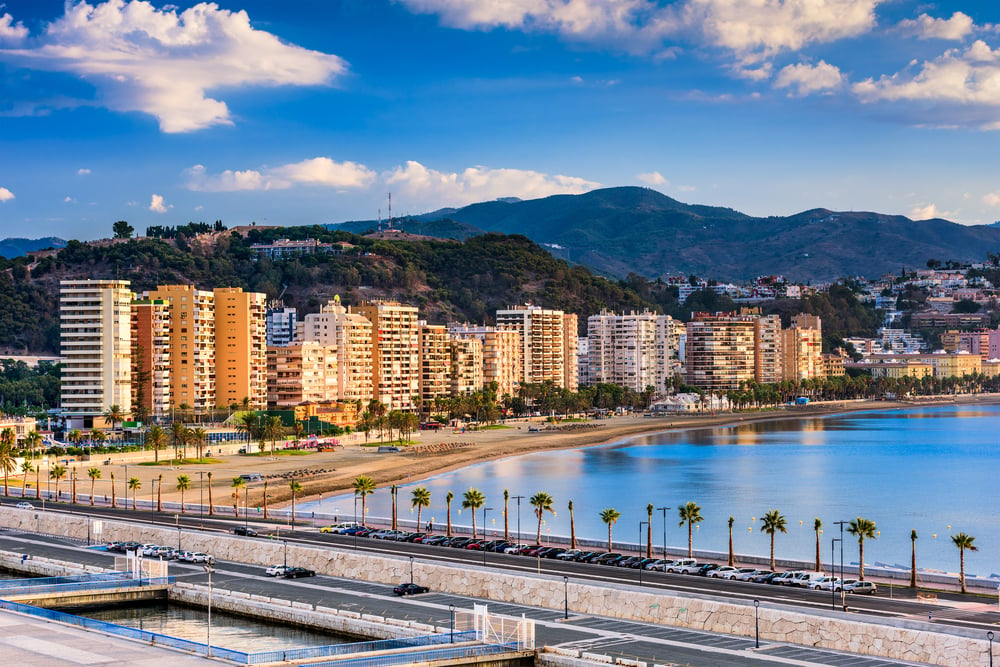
<point>248,111</point>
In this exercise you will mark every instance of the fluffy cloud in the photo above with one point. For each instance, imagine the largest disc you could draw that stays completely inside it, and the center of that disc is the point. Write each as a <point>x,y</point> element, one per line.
<point>428,186</point>
<point>806,79</point>
<point>961,87</point>
<point>320,171</point>
<point>163,62</point>
<point>992,199</point>
<point>927,27</point>
<point>652,178</point>
<point>83,172</point>
<point>156,205</point>
<point>10,31</point>
<point>929,212</point>
<point>5,195</point>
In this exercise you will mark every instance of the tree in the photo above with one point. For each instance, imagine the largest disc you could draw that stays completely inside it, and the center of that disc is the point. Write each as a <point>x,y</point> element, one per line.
<point>115,415</point>
<point>159,493</point>
<point>179,434</point>
<point>913,559</point>
<point>420,498</point>
<point>211,506</point>
<point>572,526</point>
<point>296,488</point>
<point>363,486</point>
<point>123,230</point>
<point>649,530</point>
<point>732,556</point>
<point>7,462</point>
<point>114,500</point>
<point>610,516</point>
<point>32,440</point>
<point>506,515</point>
<point>198,437</point>
<point>134,485</point>
<point>183,484</point>
<point>392,492</point>
<point>473,499</point>
<point>862,529</point>
<point>447,499</point>
<point>542,502</point>
<point>274,429</point>
<point>58,473</point>
<point>818,528</point>
<point>963,542</point>
<point>690,513</point>
<point>156,438</point>
<point>248,423</point>
<point>26,467</point>
<point>94,474</point>
<point>773,522</point>
<point>238,483</point>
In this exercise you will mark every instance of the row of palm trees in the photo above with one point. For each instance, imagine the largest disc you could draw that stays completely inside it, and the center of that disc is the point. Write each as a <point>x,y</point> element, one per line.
<point>772,523</point>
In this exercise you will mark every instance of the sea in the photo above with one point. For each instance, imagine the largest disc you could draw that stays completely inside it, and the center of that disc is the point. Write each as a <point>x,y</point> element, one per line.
<point>935,470</point>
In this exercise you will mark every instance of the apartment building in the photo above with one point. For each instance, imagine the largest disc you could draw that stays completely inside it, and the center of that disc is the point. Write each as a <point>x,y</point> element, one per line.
<point>548,343</point>
<point>351,335</point>
<point>240,347</point>
<point>435,363</point>
<point>395,352</point>
<point>629,349</point>
<point>301,373</point>
<point>721,350</point>
<point>768,367</point>
<point>583,362</point>
<point>281,324</point>
<point>466,372</point>
<point>191,344</point>
<point>802,348</point>
<point>151,356</point>
<point>501,354</point>
<point>96,346</point>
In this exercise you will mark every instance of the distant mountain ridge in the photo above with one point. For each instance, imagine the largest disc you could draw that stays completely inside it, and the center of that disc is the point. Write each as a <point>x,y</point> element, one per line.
<point>15,247</point>
<point>617,231</point>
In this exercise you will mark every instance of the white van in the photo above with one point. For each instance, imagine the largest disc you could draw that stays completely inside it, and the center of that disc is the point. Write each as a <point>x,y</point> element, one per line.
<point>806,579</point>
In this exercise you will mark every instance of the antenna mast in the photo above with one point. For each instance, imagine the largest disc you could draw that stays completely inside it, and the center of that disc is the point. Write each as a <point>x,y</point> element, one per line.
<point>380,221</point>
<point>390,211</point>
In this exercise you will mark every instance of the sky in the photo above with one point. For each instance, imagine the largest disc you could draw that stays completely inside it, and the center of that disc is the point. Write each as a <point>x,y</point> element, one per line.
<point>313,111</point>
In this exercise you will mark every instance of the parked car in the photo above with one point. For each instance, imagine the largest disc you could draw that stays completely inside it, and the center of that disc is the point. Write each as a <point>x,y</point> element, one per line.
<point>500,547</point>
<point>641,563</point>
<point>461,542</point>
<point>569,554</point>
<point>655,564</point>
<point>604,559</point>
<point>683,566</point>
<point>24,505</point>
<point>785,578</point>
<point>245,531</point>
<point>199,557</point>
<point>826,584</point>
<point>627,561</point>
<point>434,539</point>
<point>276,570</point>
<point>475,545</point>
<point>765,578</point>
<point>586,556</point>
<point>515,548</point>
<point>861,587</point>
<point>554,552</point>
<point>298,573</point>
<point>749,576</point>
<point>707,569</point>
<point>723,572</point>
<point>410,589</point>
<point>804,579</point>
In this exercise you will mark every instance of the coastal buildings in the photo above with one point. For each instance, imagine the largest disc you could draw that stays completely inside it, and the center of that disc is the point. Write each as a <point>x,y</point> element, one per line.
<point>350,334</point>
<point>720,351</point>
<point>632,350</point>
<point>96,345</point>
<point>301,373</point>
<point>151,357</point>
<point>548,343</point>
<point>281,324</point>
<point>501,354</point>
<point>240,348</point>
<point>395,353</point>
<point>802,349</point>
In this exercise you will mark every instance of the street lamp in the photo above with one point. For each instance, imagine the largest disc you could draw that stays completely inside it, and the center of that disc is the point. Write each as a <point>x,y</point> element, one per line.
<point>843,593</point>
<point>664,510</point>
<point>201,495</point>
<point>411,570</point>
<point>518,499</point>
<point>833,568</point>
<point>208,632</point>
<point>152,501</point>
<point>177,522</point>
<point>285,543</point>
<point>565,597</point>
<point>989,635</point>
<point>641,524</point>
<point>485,509</point>
<point>756,624</point>
<point>451,610</point>
<point>246,508</point>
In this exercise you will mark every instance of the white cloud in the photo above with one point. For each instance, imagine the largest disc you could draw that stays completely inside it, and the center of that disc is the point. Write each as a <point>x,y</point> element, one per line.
<point>68,200</point>
<point>958,88</point>
<point>163,62</point>
<point>319,171</point>
<point>5,195</point>
<point>930,211</point>
<point>686,188</point>
<point>652,178</point>
<point>957,27</point>
<point>428,186</point>
<point>992,199</point>
<point>156,205</point>
<point>806,79</point>
<point>10,31</point>
<point>82,172</point>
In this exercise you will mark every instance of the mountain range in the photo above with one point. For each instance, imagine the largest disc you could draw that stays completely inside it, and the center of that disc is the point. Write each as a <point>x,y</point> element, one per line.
<point>617,231</point>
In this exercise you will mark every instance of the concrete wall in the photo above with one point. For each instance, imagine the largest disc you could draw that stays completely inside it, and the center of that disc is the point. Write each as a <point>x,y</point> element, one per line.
<point>898,639</point>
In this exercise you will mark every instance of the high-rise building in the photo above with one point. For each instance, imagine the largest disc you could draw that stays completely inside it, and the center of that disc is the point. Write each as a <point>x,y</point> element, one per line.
<point>96,346</point>
<point>501,355</point>
<point>802,348</point>
<point>240,348</point>
<point>351,335</point>
<point>570,340</point>
<point>628,349</point>
<point>435,364</point>
<point>301,373</point>
<point>548,350</point>
<point>583,361</point>
<point>395,353</point>
<point>720,350</point>
<point>768,343</point>
<point>151,357</point>
<point>466,372</point>
<point>281,326</point>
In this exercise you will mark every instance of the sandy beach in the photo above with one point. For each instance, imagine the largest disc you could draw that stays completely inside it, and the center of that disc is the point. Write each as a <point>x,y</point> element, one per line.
<point>324,473</point>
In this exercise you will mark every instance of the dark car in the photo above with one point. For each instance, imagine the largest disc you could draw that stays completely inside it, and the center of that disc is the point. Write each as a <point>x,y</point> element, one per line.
<point>461,542</point>
<point>410,589</point>
<point>604,559</point>
<point>766,578</point>
<point>554,552</point>
<point>706,568</point>
<point>415,537</point>
<point>641,563</point>
<point>244,530</point>
<point>434,539</point>
<point>586,556</point>
<point>476,545</point>
<point>627,561</point>
<point>298,573</point>
<point>530,550</point>
<point>500,546</point>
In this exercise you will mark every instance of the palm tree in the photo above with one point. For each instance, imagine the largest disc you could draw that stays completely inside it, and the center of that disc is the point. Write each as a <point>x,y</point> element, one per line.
<point>542,502</point>
<point>115,414</point>
<point>159,493</point>
<point>98,436</point>
<point>963,542</point>
<point>392,492</point>
<point>732,556</point>
<point>420,498</point>
<point>296,488</point>
<point>506,510</point>
<point>26,467</point>
<point>38,481</point>
<point>94,474</point>
<point>572,526</point>
<point>75,436</point>
<point>7,462</point>
<point>57,472</point>
<point>610,516</point>
<point>913,559</point>
<point>183,484</point>
<point>818,528</point>
<point>473,499</point>
<point>198,437</point>
<point>690,513</point>
<point>179,435</point>
<point>447,499</point>
<point>238,483</point>
<point>773,522</point>
<point>32,440</point>
<point>114,500</point>
<point>134,485</point>
<point>862,529</point>
<point>649,530</point>
<point>363,486</point>
<point>274,428</point>
<point>248,424</point>
<point>156,438</point>
<point>211,507</point>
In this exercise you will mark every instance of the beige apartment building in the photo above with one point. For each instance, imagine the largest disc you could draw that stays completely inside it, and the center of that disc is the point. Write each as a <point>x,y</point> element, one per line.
<point>395,353</point>
<point>768,367</point>
<point>721,351</point>
<point>802,348</point>
<point>351,335</point>
<point>466,363</point>
<point>240,347</point>
<point>501,354</point>
<point>301,373</point>
<point>629,349</point>
<point>548,343</point>
<point>96,347</point>
<point>151,356</point>
<point>435,364</point>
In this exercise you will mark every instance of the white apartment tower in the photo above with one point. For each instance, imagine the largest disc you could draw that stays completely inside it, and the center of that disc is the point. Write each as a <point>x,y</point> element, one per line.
<point>350,334</point>
<point>631,350</point>
<point>96,341</point>
<point>281,326</point>
<point>395,353</point>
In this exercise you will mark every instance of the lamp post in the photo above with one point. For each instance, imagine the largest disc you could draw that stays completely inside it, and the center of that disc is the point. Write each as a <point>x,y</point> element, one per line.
<point>565,597</point>
<point>833,568</point>
<point>485,509</point>
<point>208,632</point>
<point>518,499</point>
<point>285,543</point>
<point>451,610</point>
<point>641,524</point>
<point>177,523</point>
<point>246,507</point>
<point>201,495</point>
<point>411,570</point>
<point>152,501</point>
<point>843,593</point>
<point>756,624</point>
<point>989,636</point>
<point>355,520</point>
<point>664,510</point>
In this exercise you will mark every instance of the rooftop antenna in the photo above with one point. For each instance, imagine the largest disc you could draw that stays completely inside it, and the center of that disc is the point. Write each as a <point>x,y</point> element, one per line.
<point>380,221</point>
<point>390,211</point>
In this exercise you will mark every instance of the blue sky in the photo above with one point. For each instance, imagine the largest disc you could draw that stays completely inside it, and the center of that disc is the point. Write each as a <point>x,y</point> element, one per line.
<point>312,111</point>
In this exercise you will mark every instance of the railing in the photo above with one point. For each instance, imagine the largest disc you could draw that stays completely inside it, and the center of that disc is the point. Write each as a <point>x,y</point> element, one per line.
<point>125,582</point>
<point>458,652</point>
<point>358,647</point>
<point>13,584</point>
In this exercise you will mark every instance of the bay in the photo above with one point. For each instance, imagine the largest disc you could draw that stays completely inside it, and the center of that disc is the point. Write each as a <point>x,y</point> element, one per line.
<point>929,469</point>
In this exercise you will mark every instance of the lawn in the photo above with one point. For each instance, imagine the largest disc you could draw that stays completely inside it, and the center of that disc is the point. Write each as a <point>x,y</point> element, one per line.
<point>180,462</point>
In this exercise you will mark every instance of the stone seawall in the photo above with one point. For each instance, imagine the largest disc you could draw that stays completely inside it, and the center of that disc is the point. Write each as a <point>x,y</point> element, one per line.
<point>898,639</point>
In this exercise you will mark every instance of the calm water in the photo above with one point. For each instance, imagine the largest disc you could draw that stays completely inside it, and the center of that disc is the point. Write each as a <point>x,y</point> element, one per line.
<point>233,632</point>
<point>929,469</point>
